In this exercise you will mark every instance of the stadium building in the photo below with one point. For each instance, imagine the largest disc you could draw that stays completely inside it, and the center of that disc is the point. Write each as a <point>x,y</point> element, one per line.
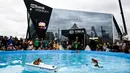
<point>59,24</point>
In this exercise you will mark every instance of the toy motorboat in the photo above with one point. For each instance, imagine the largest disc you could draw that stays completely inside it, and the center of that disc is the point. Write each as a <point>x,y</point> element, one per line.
<point>42,66</point>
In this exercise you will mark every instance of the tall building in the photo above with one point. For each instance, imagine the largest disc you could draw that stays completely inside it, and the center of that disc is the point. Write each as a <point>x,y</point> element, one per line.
<point>43,19</point>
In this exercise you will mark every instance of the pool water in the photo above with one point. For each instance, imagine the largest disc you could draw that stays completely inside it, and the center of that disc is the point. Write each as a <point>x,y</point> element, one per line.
<point>66,61</point>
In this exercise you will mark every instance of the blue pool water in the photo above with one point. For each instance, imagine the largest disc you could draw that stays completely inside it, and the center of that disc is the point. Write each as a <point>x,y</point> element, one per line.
<point>66,61</point>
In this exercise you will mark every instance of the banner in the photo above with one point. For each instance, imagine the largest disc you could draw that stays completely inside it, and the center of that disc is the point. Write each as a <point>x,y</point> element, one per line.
<point>39,15</point>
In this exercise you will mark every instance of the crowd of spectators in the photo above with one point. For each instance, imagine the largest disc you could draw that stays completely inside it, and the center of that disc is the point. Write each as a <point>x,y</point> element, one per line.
<point>123,46</point>
<point>13,43</point>
<point>72,45</point>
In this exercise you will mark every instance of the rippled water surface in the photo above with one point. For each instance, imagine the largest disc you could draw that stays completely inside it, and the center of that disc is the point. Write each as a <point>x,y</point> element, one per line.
<point>66,61</point>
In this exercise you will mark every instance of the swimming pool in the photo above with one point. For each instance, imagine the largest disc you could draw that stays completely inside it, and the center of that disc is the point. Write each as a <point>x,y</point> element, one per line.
<point>67,61</point>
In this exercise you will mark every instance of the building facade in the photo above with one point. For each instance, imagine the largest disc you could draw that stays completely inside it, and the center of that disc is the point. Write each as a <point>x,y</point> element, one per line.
<point>47,23</point>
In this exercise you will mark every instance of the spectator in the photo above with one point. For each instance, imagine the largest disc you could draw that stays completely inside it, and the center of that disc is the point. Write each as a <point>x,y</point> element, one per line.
<point>36,43</point>
<point>115,48</point>
<point>10,41</point>
<point>24,44</point>
<point>42,43</point>
<point>30,46</point>
<point>93,45</point>
<point>10,47</point>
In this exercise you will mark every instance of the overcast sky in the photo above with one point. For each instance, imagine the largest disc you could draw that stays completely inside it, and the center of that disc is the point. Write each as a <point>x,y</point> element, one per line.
<point>13,18</point>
